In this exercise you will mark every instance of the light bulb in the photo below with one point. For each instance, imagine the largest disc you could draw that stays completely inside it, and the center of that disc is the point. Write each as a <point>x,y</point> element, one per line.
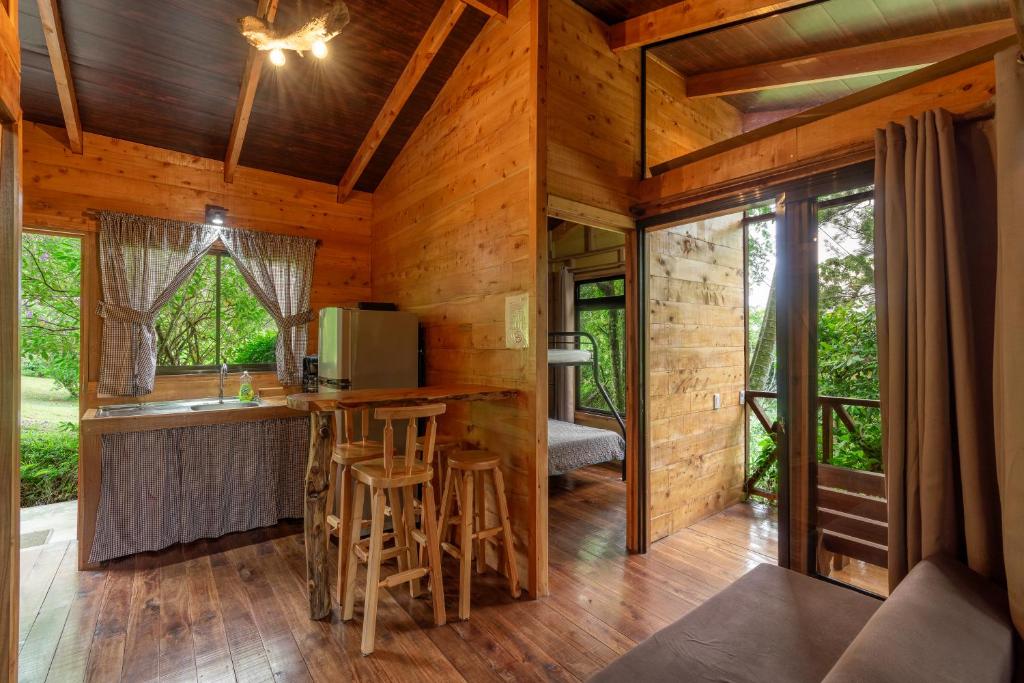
<point>319,49</point>
<point>277,57</point>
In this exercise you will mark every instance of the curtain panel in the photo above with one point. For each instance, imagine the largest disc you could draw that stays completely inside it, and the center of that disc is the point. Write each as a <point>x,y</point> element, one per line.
<point>1009,361</point>
<point>935,223</point>
<point>279,270</point>
<point>143,262</point>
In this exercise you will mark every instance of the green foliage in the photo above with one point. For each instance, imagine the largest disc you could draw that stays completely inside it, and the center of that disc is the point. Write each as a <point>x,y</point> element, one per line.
<point>187,326</point>
<point>847,336</point>
<point>50,308</point>
<point>259,349</point>
<point>608,326</point>
<point>49,465</point>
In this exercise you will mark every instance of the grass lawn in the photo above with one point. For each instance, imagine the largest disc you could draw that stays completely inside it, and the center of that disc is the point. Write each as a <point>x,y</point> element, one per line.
<point>44,405</point>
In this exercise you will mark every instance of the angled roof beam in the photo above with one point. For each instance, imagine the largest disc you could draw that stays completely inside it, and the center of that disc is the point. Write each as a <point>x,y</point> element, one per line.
<point>425,52</point>
<point>266,9</point>
<point>492,8</point>
<point>689,16</point>
<point>53,31</point>
<point>860,60</point>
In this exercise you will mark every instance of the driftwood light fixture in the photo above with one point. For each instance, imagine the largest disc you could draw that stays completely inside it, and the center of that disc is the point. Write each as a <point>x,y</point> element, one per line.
<point>311,36</point>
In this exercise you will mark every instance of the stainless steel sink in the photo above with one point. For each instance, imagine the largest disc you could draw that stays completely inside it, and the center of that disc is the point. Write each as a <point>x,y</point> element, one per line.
<point>228,404</point>
<point>165,407</point>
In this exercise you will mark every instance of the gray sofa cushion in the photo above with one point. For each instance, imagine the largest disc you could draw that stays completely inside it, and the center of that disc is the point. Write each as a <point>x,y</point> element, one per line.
<point>771,625</point>
<point>942,623</point>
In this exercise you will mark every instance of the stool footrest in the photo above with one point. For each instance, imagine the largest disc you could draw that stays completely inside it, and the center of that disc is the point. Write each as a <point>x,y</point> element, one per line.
<point>452,550</point>
<point>487,533</point>
<point>403,577</point>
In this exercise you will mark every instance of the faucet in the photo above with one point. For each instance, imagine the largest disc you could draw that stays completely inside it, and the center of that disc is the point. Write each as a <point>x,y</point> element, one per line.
<point>223,376</point>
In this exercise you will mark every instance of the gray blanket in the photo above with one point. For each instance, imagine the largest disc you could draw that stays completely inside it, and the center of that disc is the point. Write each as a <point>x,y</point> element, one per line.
<point>572,446</point>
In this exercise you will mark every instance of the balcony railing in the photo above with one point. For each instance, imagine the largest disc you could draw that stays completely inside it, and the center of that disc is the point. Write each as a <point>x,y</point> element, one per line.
<point>852,509</point>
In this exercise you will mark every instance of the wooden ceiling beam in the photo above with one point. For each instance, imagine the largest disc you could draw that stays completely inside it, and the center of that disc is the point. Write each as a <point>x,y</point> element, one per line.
<point>425,52</point>
<point>266,9</point>
<point>860,60</point>
<point>53,31</point>
<point>492,8</point>
<point>684,18</point>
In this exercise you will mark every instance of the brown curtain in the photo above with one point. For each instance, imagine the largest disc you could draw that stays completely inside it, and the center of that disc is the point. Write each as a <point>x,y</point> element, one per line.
<point>935,276</point>
<point>279,271</point>
<point>563,314</point>
<point>143,262</point>
<point>1009,361</point>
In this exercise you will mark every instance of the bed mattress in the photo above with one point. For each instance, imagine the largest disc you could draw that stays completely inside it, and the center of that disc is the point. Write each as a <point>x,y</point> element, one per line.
<point>569,356</point>
<point>572,446</point>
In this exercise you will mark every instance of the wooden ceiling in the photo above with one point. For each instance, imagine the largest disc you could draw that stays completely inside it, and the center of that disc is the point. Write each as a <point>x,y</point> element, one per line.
<point>824,27</point>
<point>167,73</point>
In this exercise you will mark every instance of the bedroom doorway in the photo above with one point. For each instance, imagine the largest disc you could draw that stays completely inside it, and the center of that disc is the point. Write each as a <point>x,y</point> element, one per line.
<point>588,377</point>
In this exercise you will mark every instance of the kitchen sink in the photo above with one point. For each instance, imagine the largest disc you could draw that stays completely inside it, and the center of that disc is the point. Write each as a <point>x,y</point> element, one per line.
<point>166,407</point>
<point>228,404</point>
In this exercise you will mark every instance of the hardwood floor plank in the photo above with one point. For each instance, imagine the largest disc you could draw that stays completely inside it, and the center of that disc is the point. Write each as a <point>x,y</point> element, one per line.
<point>142,641</point>
<point>106,657</point>
<point>177,649</point>
<point>209,638</point>
<point>248,657</point>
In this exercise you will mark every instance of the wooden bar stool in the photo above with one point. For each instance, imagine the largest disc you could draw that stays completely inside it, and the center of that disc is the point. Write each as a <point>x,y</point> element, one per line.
<point>347,452</point>
<point>395,478</point>
<point>463,468</point>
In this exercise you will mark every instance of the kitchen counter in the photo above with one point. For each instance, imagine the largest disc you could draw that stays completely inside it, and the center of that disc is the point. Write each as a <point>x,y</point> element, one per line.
<point>93,423</point>
<point>94,426</point>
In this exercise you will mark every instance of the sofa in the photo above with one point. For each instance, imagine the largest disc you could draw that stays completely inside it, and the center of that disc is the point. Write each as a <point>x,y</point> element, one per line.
<point>943,622</point>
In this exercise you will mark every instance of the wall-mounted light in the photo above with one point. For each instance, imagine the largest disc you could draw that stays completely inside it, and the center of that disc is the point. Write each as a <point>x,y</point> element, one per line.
<point>277,57</point>
<point>216,215</point>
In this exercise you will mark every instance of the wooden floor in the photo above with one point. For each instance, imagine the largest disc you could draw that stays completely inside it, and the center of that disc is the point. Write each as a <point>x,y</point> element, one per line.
<point>235,608</point>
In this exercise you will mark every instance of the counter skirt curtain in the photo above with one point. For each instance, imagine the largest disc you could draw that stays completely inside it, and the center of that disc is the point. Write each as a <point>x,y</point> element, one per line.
<point>563,319</point>
<point>143,262</point>
<point>279,270</point>
<point>935,272</point>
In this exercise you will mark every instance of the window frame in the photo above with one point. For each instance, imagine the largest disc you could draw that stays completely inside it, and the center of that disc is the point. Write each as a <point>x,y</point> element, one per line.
<point>596,304</point>
<point>171,370</point>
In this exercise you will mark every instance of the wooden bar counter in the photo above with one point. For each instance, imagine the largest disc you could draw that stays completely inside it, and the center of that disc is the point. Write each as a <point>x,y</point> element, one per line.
<point>321,406</point>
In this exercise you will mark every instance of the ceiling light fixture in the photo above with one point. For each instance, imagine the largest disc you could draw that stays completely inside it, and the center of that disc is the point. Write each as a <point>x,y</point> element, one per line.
<point>311,36</point>
<point>216,215</point>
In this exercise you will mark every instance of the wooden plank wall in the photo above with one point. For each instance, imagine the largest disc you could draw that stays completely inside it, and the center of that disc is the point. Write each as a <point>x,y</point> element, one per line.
<point>455,231</point>
<point>60,187</point>
<point>677,125</point>
<point>593,112</point>
<point>695,350</point>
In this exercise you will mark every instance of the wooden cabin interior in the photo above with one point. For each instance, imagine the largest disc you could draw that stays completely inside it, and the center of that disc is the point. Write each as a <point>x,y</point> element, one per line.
<point>511,340</point>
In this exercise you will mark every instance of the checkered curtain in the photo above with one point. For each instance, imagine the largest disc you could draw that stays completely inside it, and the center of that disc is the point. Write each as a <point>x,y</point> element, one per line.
<point>279,270</point>
<point>143,262</point>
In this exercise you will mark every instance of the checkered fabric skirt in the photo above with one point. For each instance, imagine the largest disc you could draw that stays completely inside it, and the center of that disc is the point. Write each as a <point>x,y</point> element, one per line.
<point>179,485</point>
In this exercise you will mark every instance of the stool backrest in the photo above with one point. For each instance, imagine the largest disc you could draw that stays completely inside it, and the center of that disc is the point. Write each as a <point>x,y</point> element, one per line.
<point>411,414</point>
<point>345,425</point>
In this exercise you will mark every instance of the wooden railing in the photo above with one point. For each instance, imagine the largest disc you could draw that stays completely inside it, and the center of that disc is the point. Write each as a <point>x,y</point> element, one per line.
<point>852,510</point>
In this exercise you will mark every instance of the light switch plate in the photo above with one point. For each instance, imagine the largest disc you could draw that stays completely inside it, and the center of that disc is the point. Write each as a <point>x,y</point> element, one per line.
<point>717,401</point>
<point>517,321</point>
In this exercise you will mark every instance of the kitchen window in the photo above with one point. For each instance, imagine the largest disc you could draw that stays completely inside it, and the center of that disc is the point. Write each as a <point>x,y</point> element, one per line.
<point>214,319</point>
<point>600,306</point>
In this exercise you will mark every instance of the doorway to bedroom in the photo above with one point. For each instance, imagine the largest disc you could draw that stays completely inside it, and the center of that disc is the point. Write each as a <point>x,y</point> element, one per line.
<point>588,358</point>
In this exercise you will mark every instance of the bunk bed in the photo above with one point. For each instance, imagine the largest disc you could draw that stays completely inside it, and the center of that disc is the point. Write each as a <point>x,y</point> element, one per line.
<point>571,446</point>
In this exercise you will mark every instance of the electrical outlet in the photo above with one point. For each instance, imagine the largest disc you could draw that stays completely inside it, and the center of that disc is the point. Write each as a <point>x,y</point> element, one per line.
<point>743,397</point>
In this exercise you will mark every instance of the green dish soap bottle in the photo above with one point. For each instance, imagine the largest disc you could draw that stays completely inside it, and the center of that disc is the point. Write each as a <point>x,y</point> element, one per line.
<point>245,390</point>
